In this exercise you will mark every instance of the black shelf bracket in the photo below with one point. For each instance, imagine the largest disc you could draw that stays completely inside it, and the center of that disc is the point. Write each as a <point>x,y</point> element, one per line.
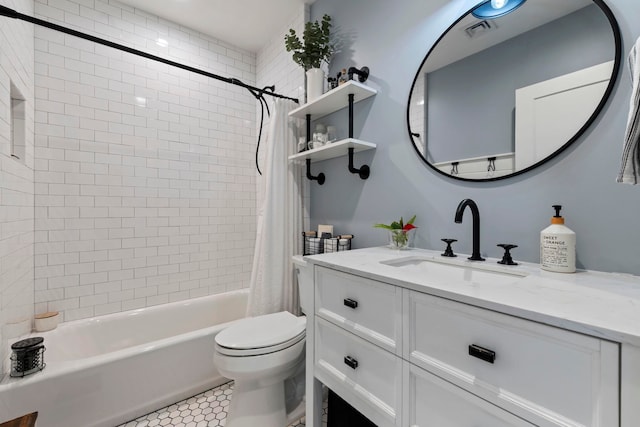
<point>351,101</point>
<point>363,73</point>
<point>319,178</point>
<point>364,170</point>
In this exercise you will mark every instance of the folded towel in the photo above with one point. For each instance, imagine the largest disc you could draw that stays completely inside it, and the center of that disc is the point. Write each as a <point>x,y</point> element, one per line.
<point>630,166</point>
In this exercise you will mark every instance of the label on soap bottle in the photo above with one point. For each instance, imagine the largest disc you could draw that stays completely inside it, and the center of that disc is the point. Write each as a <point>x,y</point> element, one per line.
<point>558,252</point>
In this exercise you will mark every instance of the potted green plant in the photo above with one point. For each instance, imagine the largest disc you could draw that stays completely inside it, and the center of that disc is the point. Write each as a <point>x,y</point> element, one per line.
<point>310,52</point>
<point>400,233</point>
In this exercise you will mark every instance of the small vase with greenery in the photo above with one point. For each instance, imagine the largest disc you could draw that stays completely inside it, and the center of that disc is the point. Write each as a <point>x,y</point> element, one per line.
<point>310,52</point>
<point>400,233</point>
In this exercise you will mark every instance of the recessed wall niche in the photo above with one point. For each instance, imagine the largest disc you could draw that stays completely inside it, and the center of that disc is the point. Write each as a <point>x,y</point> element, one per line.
<point>17,140</point>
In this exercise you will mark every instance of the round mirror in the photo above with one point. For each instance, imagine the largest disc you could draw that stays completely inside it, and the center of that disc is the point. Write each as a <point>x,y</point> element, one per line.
<point>496,97</point>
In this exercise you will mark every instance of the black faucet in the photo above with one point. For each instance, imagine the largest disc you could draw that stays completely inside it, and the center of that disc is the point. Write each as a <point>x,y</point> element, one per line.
<point>475,255</point>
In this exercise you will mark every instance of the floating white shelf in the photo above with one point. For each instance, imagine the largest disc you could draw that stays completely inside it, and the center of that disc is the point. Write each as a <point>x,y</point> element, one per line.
<point>333,149</point>
<point>334,100</point>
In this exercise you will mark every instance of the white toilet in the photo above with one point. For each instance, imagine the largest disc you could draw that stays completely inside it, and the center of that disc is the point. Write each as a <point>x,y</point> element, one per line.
<point>265,357</point>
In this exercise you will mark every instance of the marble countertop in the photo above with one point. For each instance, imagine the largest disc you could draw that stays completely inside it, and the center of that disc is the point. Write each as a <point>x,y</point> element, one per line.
<point>605,305</point>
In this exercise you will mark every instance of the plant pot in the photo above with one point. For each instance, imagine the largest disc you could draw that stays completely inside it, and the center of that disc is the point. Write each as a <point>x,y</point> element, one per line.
<point>315,83</point>
<point>401,239</point>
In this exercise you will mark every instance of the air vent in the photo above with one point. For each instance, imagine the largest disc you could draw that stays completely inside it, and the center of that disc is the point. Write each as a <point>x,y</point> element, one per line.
<point>480,28</point>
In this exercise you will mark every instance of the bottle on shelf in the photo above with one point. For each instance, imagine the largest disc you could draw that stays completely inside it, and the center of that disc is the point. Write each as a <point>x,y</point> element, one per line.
<point>344,77</point>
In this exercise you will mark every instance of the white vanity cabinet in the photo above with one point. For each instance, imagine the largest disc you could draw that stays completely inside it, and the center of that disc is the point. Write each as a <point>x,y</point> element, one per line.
<point>406,356</point>
<point>545,375</point>
<point>358,331</point>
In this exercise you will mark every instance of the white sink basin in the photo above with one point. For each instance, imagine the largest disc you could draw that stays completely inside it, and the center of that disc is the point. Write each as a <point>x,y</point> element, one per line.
<point>452,271</point>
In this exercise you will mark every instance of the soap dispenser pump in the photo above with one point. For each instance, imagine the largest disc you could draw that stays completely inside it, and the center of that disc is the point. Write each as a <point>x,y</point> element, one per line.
<point>558,246</point>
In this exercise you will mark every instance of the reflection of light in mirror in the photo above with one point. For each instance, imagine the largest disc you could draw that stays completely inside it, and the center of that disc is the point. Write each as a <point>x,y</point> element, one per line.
<point>496,8</point>
<point>162,43</point>
<point>499,4</point>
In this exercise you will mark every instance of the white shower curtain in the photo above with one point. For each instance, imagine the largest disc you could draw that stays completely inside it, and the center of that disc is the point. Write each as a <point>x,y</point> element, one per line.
<point>273,285</point>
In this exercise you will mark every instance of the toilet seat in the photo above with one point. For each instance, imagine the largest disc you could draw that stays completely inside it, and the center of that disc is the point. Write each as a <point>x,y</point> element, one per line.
<point>261,335</point>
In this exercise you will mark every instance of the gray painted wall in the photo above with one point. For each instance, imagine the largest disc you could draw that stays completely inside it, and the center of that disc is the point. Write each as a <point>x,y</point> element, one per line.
<point>480,89</point>
<point>392,39</point>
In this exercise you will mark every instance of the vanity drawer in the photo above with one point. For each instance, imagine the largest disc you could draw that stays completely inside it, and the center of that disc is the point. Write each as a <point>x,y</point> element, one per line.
<point>366,376</point>
<point>434,402</point>
<point>367,308</point>
<point>548,375</point>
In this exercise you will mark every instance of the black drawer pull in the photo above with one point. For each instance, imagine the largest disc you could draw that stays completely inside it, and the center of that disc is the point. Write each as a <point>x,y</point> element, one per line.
<point>350,302</point>
<point>350,362</point>
<point>482,353</point>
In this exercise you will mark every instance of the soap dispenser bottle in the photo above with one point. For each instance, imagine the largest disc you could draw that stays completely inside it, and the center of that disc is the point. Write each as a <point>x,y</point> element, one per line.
<point>558,246</point>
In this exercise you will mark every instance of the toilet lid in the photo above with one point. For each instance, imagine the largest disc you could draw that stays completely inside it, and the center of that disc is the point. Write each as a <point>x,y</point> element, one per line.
<point>259,332</point>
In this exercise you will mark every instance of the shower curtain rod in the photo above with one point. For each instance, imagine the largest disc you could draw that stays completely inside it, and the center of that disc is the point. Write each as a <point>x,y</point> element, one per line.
<point>257,92</point>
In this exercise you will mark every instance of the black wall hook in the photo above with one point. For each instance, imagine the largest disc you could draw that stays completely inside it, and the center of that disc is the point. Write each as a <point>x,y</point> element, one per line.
<point>454,168</point>
<point>319,178</point>
<point>492,164</point>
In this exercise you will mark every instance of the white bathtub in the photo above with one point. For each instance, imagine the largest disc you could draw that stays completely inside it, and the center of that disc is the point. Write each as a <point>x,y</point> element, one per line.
<point>110,369</point>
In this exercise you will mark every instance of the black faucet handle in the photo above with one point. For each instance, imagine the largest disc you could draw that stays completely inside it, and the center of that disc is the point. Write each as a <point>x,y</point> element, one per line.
<point>506,258</point>
<point>449,251</point>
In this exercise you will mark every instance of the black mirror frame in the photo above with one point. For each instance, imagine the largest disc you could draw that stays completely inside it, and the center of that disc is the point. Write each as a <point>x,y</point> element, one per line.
<point>614,78</point>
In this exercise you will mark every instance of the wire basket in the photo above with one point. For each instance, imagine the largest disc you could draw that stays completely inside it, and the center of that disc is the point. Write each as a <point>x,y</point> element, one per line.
<point>314,245</point>
<point>27,357</point>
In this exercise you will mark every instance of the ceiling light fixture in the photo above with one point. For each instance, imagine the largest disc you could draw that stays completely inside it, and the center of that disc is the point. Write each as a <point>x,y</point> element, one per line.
<point>491,9</point>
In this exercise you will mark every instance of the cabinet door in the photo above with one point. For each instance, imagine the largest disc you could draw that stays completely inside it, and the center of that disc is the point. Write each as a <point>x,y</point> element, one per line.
<point>434,402</point>
<point>548,375</point>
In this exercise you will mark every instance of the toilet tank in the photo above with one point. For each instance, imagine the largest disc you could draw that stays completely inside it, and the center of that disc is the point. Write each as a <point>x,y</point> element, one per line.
<point>304,272</point>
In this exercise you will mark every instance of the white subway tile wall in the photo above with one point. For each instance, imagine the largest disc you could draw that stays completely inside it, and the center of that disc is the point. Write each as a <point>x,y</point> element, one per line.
<point>16,182</point>
<point>275,66</point>
<point>145,185</point>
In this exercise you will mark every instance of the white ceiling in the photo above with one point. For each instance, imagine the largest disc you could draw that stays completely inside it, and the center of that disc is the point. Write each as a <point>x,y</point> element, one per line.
<point>247,24</point>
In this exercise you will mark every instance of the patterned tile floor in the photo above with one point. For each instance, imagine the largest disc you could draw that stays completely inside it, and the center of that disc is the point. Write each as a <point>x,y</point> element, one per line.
<point>208,409</point>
